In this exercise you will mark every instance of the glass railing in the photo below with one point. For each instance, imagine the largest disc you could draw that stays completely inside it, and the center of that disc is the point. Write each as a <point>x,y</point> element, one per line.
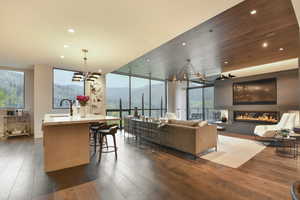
<point>209,114</point>
<point>155,113</point>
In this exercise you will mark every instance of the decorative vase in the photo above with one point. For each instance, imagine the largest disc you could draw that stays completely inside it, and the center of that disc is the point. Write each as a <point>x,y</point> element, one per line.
<point>83,111</point>
<point>224,119</point>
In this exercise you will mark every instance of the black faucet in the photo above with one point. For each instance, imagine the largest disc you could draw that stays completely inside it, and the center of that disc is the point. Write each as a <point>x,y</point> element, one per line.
<point>70,104</point>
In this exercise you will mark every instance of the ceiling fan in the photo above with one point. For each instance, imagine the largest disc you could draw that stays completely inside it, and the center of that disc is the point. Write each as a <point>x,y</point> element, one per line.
<point>224,77</point>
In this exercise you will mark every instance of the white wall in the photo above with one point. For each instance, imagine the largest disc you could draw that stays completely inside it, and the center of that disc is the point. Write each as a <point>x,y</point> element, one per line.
<point>97,102</point>
<point>181,100</point>
<point>42,96</point>
<point>296,4</point>
<point>171,93</point>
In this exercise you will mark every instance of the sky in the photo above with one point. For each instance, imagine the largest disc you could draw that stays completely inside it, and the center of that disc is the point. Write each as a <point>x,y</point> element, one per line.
<point>64,77</point>
<point>121,81</point>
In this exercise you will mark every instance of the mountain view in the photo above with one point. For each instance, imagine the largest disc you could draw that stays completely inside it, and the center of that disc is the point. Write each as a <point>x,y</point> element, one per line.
<point>64,88</point>
<point>11,89</point>
<point>197,106</point>
<point>113,96</point>
<point>66,91</point>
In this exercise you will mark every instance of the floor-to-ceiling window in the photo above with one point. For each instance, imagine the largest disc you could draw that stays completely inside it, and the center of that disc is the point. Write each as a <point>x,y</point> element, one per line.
<point>195,103</point>
<point>200,101</point>
<point>158,95</point>
<point>208,103</point>
<point>117,91</point>
<point>140,93</point>
<point>148,95</point>
<point>117,87</point>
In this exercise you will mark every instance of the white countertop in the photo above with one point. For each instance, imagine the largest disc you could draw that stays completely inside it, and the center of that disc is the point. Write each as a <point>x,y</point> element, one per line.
<point>64,119</point>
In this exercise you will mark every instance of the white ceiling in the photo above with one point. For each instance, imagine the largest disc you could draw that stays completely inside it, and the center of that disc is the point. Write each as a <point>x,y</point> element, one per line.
<point>296,4</point>
<point>115,32</point>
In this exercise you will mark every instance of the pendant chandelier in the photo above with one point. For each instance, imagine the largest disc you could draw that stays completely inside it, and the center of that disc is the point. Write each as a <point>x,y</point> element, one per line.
<point>188,73</point>
<point>86,76</point>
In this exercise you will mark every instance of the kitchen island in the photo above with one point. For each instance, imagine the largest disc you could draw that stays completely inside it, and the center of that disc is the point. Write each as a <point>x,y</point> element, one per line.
<point>66,140</point>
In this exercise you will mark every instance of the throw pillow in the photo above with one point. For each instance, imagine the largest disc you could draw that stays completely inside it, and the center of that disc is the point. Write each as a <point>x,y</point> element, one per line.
<point>203,123</point>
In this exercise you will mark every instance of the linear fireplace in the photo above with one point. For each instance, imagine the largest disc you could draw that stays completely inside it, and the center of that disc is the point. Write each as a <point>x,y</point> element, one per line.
<point>256,116</point>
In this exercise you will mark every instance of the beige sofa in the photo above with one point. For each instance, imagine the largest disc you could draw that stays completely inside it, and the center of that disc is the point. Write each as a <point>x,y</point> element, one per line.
<point>193,137</point>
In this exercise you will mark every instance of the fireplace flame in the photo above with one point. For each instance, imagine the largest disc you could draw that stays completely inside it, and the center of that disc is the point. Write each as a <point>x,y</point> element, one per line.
<point>262,118</point>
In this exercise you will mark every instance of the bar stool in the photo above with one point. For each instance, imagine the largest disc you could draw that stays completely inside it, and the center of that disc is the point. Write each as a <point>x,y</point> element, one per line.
<point>94,132</point>
<point>103,133</point>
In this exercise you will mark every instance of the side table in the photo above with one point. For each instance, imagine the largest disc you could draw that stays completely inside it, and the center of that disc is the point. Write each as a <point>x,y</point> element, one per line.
<point>286,146</point>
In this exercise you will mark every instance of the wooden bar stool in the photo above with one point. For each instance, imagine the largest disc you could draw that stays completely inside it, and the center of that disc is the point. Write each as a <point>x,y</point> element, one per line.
<point>94,132</point>
<point>106,132</point>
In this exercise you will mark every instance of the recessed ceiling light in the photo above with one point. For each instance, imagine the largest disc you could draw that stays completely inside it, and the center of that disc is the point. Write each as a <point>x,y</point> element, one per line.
<point>147,60</point>
<point>281,49</point>
<point>183,43</point>
<point>253,12</point>
<point>62,57</point>
<point>66,46</point>
<point>71,30</point>
<point>226,62</point>
<point>265,44</point>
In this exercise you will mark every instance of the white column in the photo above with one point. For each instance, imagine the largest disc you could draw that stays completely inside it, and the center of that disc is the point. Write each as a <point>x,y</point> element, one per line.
<point>177,99</point>
<point>42,96</point>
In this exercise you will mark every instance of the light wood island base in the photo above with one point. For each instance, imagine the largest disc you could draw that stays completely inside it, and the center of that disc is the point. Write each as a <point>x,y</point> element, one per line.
<point>66,146</point>
<point>66,139</point>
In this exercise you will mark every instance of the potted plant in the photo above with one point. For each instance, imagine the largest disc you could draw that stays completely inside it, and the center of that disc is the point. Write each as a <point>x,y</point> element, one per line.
<point>83,102</point>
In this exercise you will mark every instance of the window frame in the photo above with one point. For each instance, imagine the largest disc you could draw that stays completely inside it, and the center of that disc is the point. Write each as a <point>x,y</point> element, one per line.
<point>149,93</point>
<point>56,68</point>
<point>203,102</point>
<point>129,93</point>
<point>24,90</point>
<point>164,97</point>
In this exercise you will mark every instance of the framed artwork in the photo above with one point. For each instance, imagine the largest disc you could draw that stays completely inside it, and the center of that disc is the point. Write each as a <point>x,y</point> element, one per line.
<point>258,92</point>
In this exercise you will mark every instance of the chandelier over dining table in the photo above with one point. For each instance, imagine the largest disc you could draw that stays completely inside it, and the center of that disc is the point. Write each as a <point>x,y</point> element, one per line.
<point>86,76</point>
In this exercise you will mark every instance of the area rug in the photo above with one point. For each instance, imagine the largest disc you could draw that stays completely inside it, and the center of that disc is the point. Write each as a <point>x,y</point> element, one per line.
<point>234,152</point>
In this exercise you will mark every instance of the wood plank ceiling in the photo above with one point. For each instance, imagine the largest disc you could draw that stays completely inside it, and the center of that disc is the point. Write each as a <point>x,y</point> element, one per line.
<point>231,40</point>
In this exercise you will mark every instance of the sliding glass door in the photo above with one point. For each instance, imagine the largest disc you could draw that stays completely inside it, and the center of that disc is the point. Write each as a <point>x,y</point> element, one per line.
<point>195,103</point>
<point>200,102</point>
<point>208,103</point>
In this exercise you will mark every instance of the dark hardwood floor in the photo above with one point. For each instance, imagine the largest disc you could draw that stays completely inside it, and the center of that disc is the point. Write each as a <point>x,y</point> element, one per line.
<point>141,174</point>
